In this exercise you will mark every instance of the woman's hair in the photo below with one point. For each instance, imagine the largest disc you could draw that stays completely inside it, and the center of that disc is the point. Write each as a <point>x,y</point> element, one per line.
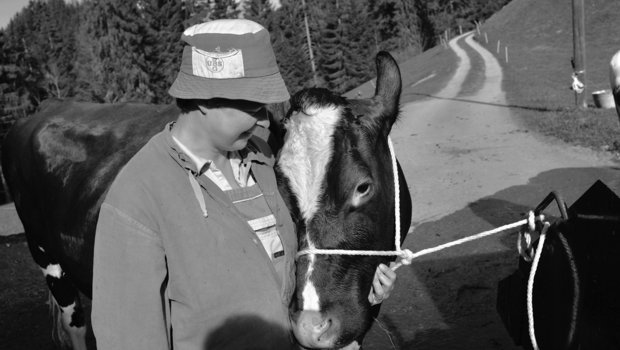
<point>188,105</point>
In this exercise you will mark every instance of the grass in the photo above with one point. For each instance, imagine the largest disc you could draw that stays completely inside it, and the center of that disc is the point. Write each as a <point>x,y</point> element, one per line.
<point>538,34</point>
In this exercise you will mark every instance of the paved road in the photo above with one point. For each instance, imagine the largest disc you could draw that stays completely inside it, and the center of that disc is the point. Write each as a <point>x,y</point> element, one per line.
<point>471,167</point>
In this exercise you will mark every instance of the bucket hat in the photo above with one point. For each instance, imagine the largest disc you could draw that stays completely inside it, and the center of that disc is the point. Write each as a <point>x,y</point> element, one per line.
<point>229,58</point>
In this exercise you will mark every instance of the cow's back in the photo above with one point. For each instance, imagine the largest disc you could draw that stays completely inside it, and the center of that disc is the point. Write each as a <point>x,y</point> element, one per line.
<point>58,165</point>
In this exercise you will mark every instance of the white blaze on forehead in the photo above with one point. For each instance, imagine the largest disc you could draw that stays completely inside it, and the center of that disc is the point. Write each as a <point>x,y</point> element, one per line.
<point>53,270</point>
<point>309,294</point>
<point>303,160</point>
<point>306,152</point>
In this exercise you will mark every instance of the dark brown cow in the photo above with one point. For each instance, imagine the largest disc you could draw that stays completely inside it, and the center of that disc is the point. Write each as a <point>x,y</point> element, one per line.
<point>60,162</point>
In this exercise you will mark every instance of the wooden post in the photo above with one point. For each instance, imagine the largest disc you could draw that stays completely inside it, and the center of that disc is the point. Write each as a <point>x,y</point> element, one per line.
<point>498,46</point>
<point>506,51</point>
<point>579,50</point>
<point>460,30</point>
<point>311,54</point>
<point>486,38</point>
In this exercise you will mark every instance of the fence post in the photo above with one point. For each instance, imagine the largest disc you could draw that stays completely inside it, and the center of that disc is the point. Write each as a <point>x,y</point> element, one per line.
<point>579,50</point>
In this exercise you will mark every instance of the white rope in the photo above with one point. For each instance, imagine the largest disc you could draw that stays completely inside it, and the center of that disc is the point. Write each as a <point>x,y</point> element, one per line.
<point>396,194</point>
<point>406,255</point>
<point>530,285</point>
<point>525,245</point>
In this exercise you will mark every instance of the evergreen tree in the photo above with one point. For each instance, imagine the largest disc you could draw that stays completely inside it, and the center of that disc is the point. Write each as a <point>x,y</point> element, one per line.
<point>120,36</point>
<point>59,25</point>
<point>331,62</point>
<point>289,44</point>
<point>25,85</point>
<point>164,47</point>
<point>407,21</point>
<point>426,26</point>
<point>259,11</point>
<point>358,48</point>
<point>223,9</point>
<point>388,32</point>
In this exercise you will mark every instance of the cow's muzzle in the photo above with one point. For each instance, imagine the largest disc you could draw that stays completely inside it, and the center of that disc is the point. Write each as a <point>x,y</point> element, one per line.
<point>314,330</point>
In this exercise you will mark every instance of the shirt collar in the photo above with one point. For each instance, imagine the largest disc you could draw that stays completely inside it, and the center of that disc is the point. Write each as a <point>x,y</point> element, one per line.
<point>252,153</point>
<point>202,164</point>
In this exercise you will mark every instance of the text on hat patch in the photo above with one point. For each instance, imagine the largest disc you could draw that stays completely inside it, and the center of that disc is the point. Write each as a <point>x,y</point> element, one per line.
<point>218,65</point>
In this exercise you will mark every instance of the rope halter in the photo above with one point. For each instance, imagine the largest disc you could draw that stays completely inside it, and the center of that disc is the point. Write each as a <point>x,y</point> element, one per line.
<point>406,256</point>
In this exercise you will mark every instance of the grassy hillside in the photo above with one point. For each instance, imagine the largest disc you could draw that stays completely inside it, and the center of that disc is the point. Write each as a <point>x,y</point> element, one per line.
<point>539,37</point>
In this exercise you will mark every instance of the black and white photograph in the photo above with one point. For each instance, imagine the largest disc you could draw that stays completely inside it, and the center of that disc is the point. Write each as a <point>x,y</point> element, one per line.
<point>309,174</point>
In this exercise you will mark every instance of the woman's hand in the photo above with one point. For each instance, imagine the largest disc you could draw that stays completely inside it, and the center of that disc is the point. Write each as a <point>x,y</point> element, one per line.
<point>382,284</point>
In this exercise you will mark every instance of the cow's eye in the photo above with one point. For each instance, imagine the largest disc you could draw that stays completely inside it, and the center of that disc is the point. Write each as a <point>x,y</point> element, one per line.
<point>363,188</point>
<point>361,194</point>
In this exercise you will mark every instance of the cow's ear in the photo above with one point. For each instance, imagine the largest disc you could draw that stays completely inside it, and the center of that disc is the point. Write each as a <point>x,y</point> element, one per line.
<point>388,89</point>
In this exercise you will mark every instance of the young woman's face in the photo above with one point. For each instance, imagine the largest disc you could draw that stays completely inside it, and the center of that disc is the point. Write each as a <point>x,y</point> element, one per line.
<point>230,123</point>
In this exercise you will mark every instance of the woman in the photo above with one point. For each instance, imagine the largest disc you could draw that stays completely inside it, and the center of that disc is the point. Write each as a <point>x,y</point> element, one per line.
<point>194,246</point>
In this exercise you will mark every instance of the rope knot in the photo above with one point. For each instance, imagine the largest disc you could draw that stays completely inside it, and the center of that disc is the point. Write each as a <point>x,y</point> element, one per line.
<point>406,256</point>
<point>525,242</point>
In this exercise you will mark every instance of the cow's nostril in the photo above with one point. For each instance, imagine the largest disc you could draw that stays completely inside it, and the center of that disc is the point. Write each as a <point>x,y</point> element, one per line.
<point>313,330</point>
<point>322,328</point>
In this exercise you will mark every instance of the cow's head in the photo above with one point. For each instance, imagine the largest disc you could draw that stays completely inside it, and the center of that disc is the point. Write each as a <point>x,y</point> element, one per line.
<point>336,165</point>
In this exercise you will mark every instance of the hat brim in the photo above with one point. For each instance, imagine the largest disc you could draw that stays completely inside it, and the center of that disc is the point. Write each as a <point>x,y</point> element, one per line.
<point>265,89</point>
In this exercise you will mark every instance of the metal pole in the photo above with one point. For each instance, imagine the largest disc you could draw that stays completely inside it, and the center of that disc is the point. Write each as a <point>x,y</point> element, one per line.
<point>579,50</point>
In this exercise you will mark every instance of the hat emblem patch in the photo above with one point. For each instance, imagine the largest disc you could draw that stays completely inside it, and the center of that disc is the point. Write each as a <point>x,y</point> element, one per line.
<point>217,65</point>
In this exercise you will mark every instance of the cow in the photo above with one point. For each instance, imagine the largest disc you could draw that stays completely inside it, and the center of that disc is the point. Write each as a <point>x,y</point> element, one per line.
<point>333,172</point>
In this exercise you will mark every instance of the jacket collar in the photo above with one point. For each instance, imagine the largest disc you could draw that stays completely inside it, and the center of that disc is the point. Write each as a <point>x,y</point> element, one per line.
<point>251,153</point>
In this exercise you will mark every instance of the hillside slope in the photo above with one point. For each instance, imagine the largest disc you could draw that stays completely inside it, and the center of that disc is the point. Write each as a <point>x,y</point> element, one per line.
<point>539,37</point>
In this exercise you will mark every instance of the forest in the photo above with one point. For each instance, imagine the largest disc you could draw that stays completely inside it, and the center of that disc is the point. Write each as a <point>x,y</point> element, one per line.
<point>112,51</point>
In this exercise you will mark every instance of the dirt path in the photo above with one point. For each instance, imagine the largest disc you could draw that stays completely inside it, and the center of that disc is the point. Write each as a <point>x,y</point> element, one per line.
<point>471,146</point>
<point>470,167</point>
